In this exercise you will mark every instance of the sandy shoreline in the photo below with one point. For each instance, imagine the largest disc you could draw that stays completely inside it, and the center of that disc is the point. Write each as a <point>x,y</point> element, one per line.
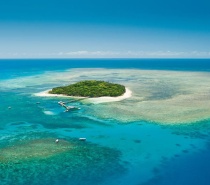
<point>104,99</point>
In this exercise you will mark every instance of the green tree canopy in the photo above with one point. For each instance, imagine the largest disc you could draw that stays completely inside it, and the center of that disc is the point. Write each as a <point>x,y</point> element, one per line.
<point>90,88</point>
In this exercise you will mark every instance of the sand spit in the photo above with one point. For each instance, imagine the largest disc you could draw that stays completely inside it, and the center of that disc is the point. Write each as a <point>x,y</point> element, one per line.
<point>104,99</point>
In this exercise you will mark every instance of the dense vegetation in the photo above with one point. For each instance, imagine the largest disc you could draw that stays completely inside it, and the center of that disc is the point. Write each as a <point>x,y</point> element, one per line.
<point>90,88</point>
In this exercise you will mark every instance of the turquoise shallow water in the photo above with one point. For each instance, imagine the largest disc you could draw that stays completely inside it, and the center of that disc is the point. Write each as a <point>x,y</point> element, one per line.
<point>134,153</point>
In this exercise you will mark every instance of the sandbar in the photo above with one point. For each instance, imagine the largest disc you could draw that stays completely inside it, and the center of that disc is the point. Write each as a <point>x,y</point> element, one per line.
<point>103,99</point>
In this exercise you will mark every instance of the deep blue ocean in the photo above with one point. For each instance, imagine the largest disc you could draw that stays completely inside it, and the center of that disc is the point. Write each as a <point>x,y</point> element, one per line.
<point>131,153</point>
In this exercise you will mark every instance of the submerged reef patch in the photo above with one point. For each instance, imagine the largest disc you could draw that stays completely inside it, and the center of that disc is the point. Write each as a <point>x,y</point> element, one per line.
<point>167,97</point>
<point>42,161</point>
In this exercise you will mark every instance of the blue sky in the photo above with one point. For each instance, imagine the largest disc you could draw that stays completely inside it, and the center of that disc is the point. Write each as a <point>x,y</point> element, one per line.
<point>104,28</point>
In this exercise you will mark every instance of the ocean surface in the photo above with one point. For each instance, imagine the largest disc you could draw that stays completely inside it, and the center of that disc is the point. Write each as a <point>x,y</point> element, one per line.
<point>159,136</point>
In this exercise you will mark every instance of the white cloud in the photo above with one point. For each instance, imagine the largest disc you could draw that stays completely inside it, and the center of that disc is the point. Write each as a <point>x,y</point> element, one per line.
<point>91,53</point>
<point>110,54</point>
<point>135,54</point>
<point>169,54</point>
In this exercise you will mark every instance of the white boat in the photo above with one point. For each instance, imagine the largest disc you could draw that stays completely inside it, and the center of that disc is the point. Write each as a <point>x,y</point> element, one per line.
<point>82,139</point>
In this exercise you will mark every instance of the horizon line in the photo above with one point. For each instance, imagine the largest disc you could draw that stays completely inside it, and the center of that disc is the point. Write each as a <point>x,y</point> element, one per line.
<point>106,58</point>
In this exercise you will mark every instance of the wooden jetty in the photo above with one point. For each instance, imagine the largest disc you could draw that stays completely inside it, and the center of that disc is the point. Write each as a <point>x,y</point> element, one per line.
<point>61,103</point>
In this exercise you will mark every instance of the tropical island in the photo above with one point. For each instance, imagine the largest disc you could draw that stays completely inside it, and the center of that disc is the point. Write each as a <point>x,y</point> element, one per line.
<point>90,89</point>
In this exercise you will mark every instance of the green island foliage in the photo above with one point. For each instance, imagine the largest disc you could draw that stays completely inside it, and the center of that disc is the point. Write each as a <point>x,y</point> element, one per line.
<point>90,88</point>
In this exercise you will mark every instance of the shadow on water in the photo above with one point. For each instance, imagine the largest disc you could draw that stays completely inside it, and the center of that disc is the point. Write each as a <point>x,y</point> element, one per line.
<point>189,169</point>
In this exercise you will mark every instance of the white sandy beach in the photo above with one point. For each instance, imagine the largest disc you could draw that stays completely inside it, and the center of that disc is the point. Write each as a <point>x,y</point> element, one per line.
<point>104,99</point>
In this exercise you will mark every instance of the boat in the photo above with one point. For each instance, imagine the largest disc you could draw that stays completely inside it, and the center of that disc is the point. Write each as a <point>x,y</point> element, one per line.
<point>82,139</point>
